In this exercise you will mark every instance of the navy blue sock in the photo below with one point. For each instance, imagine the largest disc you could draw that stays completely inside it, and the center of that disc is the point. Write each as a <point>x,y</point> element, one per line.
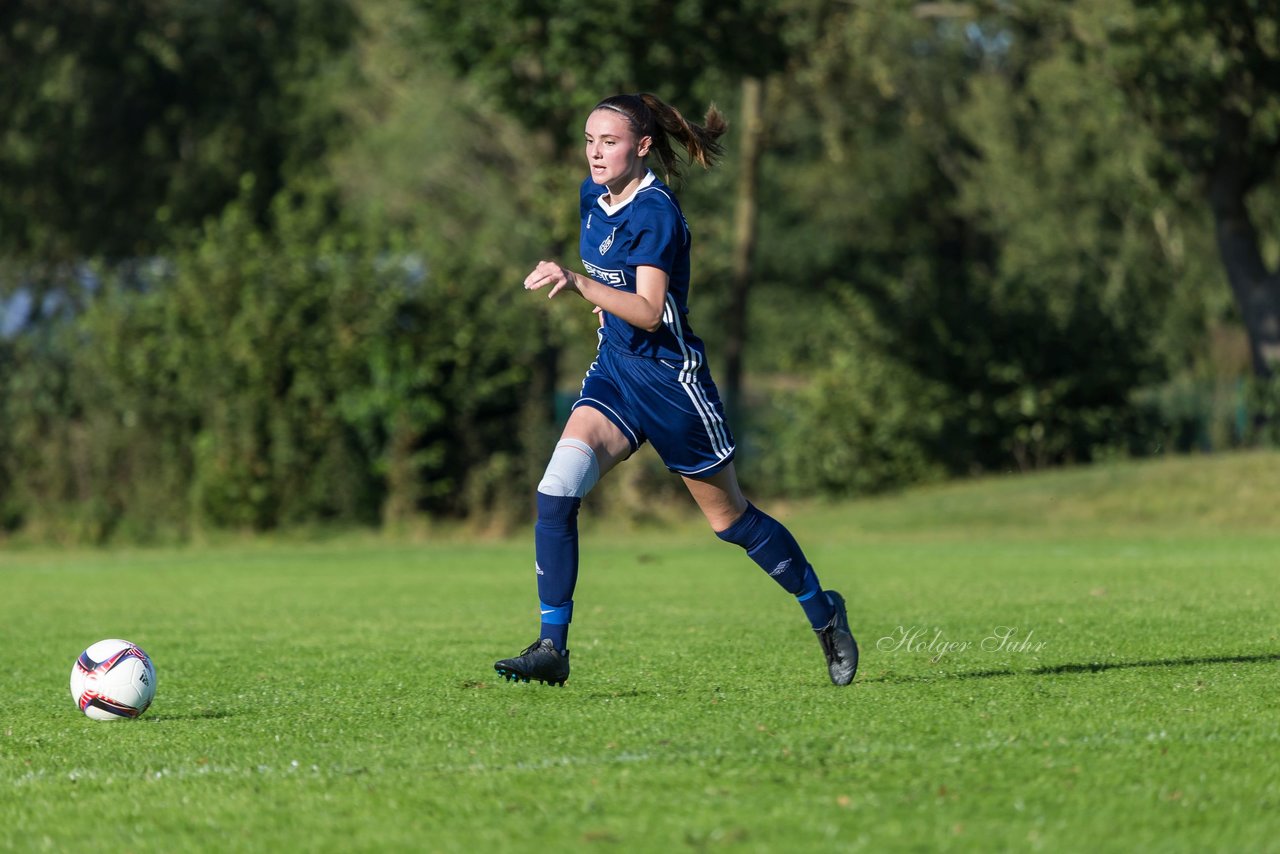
<point>813,599</point>
<point>771,545</point>
<point>555,542</point>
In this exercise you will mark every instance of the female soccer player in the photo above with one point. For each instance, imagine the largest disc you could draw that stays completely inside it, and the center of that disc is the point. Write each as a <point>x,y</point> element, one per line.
<point>650,380</point>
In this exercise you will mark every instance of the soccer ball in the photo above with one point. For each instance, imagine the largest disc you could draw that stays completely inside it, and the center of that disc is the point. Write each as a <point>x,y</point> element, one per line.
<point>113,680</point>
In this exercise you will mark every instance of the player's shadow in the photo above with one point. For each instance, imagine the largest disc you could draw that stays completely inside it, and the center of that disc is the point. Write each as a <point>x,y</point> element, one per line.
<point>1090,667</point>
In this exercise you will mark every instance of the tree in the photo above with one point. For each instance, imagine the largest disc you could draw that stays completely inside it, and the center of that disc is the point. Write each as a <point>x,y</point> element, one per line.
<point>548,63</point>
<point>123,122</point>
<point>964,200</point>
<point>1204,76</point>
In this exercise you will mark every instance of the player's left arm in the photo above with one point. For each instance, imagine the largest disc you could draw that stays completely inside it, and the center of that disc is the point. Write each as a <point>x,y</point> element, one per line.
<point>643,308</point>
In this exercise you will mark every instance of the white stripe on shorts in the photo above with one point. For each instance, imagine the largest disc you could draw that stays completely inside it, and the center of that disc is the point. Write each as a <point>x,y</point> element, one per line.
<point>711,420</point>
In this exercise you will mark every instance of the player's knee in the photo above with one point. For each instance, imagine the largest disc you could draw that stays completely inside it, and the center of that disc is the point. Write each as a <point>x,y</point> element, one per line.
<point>572,471</point>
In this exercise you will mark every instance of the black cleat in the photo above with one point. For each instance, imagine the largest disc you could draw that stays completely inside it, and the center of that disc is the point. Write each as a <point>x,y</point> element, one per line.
<point>838,644</point>
<point>540,661</point>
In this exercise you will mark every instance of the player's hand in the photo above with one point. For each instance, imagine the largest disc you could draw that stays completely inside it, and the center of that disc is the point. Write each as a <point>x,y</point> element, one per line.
<point>550,274</point>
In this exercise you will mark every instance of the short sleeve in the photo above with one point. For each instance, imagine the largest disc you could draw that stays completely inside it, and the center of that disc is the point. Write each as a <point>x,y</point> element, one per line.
<point>657,234</point>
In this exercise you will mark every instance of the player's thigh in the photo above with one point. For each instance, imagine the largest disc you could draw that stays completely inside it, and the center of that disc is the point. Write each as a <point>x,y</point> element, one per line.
<point>589,425</point>
<point>719,497</point>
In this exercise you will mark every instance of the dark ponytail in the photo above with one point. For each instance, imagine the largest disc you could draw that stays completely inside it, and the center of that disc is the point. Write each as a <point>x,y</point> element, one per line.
<point>650,116</point>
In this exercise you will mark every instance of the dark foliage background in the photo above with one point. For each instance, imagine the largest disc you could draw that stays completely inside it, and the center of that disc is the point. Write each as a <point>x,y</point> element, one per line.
<point>260,262</point>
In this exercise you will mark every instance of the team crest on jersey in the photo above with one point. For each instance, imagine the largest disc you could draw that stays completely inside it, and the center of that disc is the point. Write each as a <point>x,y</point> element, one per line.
<point>608,241</point>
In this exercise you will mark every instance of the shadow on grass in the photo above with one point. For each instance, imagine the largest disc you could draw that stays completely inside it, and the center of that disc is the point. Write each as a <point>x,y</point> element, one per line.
<point>199,715</point>
<point>1091,667</point>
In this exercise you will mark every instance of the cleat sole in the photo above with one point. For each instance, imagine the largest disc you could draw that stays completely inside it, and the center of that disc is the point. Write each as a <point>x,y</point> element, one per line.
<point>517,678</point>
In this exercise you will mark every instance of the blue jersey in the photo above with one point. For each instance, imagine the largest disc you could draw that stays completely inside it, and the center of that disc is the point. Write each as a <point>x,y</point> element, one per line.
<point>648,229</point>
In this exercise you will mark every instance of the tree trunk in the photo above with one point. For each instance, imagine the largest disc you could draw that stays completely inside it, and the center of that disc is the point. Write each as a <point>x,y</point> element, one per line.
<point>751,134</point>
<point>1256,289</point>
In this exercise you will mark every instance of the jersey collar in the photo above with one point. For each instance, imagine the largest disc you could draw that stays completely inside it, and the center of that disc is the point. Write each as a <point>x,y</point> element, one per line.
<point>648,179</point>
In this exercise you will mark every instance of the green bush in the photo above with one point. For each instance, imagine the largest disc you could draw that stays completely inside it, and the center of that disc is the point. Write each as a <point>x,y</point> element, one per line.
<point>1260,421</point>
<point>265,376</point>
<point>864,424</point>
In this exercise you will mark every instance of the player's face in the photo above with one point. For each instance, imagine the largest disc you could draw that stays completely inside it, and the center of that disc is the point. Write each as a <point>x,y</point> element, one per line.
<point>613,152</point>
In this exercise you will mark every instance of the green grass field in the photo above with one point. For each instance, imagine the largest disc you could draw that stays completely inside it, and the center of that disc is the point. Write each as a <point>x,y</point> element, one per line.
<point>1107,682</point>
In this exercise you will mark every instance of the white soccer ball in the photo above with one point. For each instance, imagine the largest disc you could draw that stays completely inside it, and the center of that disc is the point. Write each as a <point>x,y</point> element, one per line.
<point>113,680</point>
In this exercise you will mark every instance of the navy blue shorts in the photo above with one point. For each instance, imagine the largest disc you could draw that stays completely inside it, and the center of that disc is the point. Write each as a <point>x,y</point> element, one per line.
<point>659,401</point>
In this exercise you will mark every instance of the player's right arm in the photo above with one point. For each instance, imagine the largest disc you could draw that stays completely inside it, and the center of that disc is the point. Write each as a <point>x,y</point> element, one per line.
<point>642,309</point>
